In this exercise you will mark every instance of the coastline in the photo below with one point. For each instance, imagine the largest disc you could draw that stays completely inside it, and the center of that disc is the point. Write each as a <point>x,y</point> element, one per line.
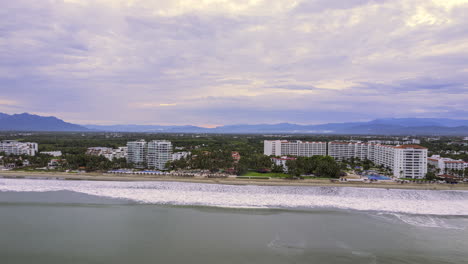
<point>226,181</point>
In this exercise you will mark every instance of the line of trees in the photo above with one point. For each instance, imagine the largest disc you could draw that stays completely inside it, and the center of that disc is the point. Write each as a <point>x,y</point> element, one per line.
<point>68,162</point>
<point>204,160</point>
<point>320,166</point>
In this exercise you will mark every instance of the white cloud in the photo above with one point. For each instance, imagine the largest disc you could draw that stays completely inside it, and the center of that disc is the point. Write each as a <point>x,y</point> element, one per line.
<point>128,60</point>
<point>450,4</point>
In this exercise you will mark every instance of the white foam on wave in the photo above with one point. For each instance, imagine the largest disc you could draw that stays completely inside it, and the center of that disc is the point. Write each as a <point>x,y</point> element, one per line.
<point>430,221</point>
<point>179,193</point>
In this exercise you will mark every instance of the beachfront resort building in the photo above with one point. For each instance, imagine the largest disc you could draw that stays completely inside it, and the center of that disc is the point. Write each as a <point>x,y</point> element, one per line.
<point>447,165</point>
<point>405,161</point>
<point>109,153</point>
<point>154,154</point>
<point>13,147</point>
<point>137,152</point>
<point>159,153</point>
<point>294,148</point>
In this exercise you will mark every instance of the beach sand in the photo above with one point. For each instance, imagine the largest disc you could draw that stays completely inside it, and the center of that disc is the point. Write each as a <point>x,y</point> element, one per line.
<point>231,181</point>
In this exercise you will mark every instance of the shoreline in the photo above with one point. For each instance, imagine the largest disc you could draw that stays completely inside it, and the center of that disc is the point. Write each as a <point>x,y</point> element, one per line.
<point>226,181</point>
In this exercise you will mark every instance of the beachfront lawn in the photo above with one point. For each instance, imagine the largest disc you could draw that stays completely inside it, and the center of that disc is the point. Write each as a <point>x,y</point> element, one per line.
<point>268,174</point>
<point>279,175</point>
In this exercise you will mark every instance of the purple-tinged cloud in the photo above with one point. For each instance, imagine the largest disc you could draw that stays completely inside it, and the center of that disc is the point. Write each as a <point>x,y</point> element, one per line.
<point>225,62</point>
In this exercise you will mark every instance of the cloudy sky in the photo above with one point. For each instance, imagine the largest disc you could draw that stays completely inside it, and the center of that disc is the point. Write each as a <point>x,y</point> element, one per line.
<point>214,62</point>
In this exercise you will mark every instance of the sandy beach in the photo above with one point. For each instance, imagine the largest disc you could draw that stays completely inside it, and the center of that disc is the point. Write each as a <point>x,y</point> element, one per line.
<point>231,181</point>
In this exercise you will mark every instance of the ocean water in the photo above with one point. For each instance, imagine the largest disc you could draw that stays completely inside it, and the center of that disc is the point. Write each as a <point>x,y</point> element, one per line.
<point>48,221</point>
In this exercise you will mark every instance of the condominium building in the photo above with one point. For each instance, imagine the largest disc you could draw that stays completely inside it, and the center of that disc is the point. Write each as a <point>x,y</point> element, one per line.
<point>159,153</point>
<point>410,161</point>
<point>395,142</point>
<point>341,150</point>
<point>181,155</point>
<point>109,153</point>
<point>406,161</point>
<point>282,162</point>
<point>137,152</point>
<point>447,165</point>
<point>294,148</point>
<point>13,147</point>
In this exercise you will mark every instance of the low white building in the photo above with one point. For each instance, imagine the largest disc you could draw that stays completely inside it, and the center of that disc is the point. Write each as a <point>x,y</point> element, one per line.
<point>282,161</point>
<point>57,153</point>
<point>447,165</point>
<point>414,141</point>
<point>108,153</point>
<point>54,163</point>
<point>120,153</point>
<point>13,147</point>
<point>180,155</point>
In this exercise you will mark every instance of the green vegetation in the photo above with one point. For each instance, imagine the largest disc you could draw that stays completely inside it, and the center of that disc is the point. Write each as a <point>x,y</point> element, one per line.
<point>268,174</point>
<point>212,152</point>
<point>321,166</point>
<point>449,147</point>
<point>253,177</point>
<point>431,176</point>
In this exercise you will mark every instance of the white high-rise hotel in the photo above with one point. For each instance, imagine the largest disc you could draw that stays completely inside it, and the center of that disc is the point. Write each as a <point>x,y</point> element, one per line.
<point>294,148</point>
<point>406,161</point>
<point>155,153</point>
<point>13,147</point>
<point>136,152</point>
<point>159,153</point>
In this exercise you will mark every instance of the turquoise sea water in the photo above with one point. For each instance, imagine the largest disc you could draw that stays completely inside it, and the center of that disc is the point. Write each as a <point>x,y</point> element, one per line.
<point>99,222</point>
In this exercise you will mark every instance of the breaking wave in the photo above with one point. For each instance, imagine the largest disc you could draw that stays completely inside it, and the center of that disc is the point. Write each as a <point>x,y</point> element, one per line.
<point>415,202</point>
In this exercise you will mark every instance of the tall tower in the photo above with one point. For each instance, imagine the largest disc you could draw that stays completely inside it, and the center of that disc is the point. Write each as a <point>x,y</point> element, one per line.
<point>137,152</point>
<point>159,153</point>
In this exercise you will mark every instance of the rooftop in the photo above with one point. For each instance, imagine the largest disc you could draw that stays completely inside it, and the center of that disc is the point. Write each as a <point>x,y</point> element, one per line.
<point>410,147</point>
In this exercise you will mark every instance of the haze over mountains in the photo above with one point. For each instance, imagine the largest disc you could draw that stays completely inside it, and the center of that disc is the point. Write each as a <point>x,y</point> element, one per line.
<point>28,122</point>
<point>392,126</point>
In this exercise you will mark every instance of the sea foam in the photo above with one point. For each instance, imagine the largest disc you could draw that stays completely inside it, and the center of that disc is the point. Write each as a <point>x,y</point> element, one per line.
<point>424,202</point>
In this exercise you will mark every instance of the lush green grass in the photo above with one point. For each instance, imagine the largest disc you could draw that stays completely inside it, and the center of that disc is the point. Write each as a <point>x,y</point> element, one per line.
<point>253,177</point>
<point>268,174</point>
<point>320,178</point>
<point>278,175</point>
<point>414,180</point>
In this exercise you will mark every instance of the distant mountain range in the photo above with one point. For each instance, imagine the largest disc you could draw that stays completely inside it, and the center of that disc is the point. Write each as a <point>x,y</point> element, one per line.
<point>148,128</point>
<point>28,122</point>
<point>392,126</point>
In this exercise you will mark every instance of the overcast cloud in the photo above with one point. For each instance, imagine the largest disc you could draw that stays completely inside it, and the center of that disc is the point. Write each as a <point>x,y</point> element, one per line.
<point>214,62</point>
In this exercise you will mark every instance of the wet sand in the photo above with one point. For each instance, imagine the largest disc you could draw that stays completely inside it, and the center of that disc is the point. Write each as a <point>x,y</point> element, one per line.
<point>231,181</point>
